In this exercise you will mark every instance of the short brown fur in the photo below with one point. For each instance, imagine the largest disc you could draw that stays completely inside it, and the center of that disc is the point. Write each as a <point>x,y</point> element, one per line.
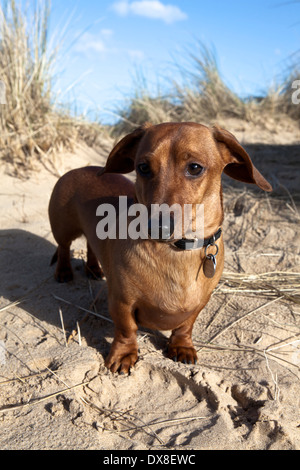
<point>151,284</point>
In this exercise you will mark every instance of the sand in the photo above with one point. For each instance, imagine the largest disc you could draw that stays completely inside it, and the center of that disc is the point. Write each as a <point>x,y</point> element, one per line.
<point>55,392</point>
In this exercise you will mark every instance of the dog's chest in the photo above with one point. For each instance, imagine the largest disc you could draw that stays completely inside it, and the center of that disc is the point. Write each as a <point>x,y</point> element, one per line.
<point>169,282</point>
<point>167,300</point>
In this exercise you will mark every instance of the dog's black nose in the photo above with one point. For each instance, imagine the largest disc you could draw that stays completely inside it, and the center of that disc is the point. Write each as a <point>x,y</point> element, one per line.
<point>161,228</point>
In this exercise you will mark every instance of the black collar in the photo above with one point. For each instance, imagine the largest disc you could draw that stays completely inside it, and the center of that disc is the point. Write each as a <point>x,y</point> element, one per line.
<point>185,244</point>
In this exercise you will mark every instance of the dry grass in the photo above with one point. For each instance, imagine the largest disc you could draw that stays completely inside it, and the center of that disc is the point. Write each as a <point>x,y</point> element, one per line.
<point>31,127</point>
<point>205,97</point>
<point>272,284</point>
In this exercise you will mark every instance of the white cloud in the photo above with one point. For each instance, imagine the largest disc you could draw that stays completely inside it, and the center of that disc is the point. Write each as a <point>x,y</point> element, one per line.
<point>107,33</point>
<point>90,43</point>
<point>136,54</point>
<point>153,9</point>
<point>122,7</point>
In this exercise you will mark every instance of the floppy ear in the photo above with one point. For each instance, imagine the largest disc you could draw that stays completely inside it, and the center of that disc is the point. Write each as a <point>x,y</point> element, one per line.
<point>121,158</point>
<point>238,163</point>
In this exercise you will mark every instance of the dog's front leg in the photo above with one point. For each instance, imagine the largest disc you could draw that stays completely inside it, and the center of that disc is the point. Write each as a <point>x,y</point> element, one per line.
<point>124,350</point>
<point>181,346</point>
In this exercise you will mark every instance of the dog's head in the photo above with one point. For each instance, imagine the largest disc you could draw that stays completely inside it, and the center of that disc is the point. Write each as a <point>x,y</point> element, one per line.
<point>182,163</point>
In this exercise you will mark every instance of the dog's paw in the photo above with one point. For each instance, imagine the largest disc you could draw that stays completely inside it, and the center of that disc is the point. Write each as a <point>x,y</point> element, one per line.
<point>121,363</point>
<point>187,355</point>
<point>64,274</point>
<point>94,272</point>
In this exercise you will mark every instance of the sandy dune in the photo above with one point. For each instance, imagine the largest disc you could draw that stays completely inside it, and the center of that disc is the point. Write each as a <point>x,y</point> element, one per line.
<point>245,391</point>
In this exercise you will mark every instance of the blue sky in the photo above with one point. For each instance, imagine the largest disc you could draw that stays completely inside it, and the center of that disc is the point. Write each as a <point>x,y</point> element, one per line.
<point>108,43</point>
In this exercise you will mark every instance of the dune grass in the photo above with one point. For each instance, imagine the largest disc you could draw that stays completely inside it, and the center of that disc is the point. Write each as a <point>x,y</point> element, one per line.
<point>33,127</point>
<point>27,125</point>
<point>205,97</point>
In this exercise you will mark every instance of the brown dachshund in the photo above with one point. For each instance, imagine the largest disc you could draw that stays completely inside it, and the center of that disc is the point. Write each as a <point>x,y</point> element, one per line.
<point>155,283</point>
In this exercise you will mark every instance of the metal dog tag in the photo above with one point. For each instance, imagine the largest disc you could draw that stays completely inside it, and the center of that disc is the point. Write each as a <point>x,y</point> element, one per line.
<point>209,267</point>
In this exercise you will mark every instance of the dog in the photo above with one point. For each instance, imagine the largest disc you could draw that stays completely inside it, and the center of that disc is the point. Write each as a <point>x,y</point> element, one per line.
<point>154,283</point>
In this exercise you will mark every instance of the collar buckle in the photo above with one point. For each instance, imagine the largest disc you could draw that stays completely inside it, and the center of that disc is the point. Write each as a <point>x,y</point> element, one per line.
<point>195,244</point>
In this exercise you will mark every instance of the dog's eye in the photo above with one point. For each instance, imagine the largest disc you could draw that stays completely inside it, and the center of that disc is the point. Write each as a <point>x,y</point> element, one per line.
<point>144,169</point>
<point>194,169</point>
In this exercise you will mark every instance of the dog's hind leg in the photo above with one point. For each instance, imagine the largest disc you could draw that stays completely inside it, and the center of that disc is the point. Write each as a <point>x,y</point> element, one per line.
<point>92,268</point>
<point>63,271</point>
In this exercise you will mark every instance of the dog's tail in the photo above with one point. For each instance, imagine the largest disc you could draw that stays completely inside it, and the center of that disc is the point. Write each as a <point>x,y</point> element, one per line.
<point>54,258</point>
